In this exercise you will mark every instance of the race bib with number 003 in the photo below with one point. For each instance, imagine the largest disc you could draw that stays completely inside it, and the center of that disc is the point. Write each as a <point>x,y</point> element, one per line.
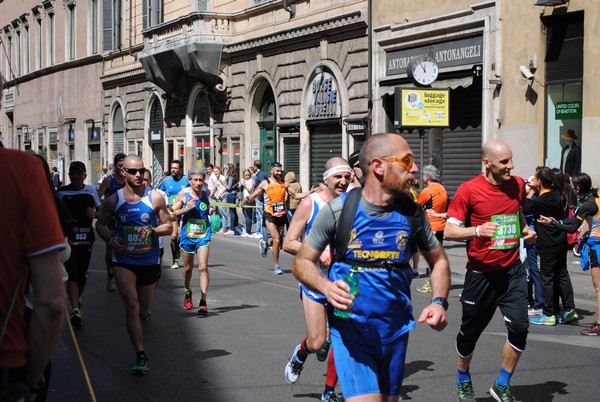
<point>132,241</point>
<point>196,228</point>
<point>508,233</point>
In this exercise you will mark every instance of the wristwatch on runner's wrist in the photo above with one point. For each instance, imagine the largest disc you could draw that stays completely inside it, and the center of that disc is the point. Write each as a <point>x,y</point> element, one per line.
<point>441,301</point>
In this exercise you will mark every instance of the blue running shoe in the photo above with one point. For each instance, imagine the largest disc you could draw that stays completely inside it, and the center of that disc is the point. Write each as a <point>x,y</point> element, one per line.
<point>263,248</point>
<point>544,320</point>
<point>277,270</point>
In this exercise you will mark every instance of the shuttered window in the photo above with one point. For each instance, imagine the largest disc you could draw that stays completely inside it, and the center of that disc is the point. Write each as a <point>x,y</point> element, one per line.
<point>564,47</point>
<point>291,155</point>
<point>111,24</point>
<point>152,13</point>
<point>325,142</point>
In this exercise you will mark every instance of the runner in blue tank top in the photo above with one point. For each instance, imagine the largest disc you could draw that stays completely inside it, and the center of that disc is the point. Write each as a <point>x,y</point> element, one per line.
<point>370,346</point>
<point>337,177</point>
<point>137,210</point>
<point>192,205</point>
<point>110,185</point>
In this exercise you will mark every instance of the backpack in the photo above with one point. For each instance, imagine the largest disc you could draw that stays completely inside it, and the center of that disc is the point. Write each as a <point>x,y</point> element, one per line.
<point>410,209</point>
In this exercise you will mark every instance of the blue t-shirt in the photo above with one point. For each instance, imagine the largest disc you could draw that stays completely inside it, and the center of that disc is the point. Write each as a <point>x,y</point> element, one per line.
<point>258,178</point>
<point>172,187</point>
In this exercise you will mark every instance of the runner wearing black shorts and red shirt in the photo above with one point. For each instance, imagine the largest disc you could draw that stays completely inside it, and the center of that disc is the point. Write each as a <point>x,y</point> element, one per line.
<point>486,212</point>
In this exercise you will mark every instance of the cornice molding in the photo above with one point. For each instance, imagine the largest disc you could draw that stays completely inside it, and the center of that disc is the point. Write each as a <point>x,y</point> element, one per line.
<point>337,23</point>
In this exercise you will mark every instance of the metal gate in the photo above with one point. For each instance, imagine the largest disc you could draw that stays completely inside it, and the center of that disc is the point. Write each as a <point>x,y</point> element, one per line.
<point>460,156</point>
<point>325,143</point>
<point>291,155</point>
<point>158,158</point>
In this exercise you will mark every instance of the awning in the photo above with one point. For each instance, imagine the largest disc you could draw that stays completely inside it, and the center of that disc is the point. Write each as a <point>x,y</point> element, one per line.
<point>166,64</point>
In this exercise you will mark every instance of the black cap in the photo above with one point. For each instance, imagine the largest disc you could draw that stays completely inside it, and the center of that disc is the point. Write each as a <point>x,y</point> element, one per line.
<point>79,166</point>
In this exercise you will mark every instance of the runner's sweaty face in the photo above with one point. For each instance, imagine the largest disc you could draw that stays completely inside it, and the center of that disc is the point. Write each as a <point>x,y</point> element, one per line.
<point>196,182</point>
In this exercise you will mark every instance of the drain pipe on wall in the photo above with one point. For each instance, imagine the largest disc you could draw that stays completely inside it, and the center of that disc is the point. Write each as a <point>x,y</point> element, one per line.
<point>370,67</point>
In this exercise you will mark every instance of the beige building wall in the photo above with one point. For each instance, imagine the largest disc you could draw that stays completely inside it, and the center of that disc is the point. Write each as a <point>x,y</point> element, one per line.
<point>42,102</point>
<point>514,108</point>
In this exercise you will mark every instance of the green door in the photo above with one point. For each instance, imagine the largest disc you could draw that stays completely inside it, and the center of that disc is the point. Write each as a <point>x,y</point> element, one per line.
<point>268,142</point>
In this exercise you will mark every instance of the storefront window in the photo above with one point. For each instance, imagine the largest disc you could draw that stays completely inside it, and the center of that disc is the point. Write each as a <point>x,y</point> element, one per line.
<point>564,106</point>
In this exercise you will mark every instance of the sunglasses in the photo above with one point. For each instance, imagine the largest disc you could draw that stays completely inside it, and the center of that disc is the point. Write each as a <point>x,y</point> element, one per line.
<point>405,162</point>
<point>133,171</point>
<point>276,164</point>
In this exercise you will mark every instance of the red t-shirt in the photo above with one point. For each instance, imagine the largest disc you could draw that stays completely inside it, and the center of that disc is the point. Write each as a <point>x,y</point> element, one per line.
<point>474,203</point>
<point>31,228</point>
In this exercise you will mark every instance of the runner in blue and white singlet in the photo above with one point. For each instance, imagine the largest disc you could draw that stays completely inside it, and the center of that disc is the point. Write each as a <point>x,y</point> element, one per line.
<point>336,179</point>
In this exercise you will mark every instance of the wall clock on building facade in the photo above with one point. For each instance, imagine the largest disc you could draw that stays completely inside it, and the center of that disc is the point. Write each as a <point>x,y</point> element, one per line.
<point>422,70</point>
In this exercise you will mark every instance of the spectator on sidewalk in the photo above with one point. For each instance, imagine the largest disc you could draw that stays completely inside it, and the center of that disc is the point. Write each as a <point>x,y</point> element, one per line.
<point>588,211</point>
<point>551,248</point>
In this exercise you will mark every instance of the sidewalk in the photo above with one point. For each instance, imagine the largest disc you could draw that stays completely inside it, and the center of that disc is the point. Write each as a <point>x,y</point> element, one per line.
<point>457,254</point>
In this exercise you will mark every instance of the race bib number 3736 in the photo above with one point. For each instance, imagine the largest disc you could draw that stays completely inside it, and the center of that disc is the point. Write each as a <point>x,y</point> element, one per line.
<point>508,233</point>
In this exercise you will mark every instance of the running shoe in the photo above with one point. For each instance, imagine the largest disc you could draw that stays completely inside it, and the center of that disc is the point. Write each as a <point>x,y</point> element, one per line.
<point>534,312</point>
<point>293,368</point>
<point>543,320</point>
<point>321,355</point>
<point>146,317</point>
<point>202,308</point>
<point>257,235</point>
<point>568,316</point>
<point>245,234</point>
<point>141,366</point>
<point>277,270</point>
<point>502,394</point>
<point>187,300</point>
<point>76,318</point>
<point>229,233</point>
<point>426,288</point>
<point>111,286</point>
<point>263,248</point>
<point>415,274</point>
<point>175,264</point>
<point>592,330</point>
<point>465,392</point>
<point>330,396</point>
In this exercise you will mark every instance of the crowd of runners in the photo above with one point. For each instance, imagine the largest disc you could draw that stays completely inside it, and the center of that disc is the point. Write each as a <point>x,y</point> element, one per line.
<point>361,220</point>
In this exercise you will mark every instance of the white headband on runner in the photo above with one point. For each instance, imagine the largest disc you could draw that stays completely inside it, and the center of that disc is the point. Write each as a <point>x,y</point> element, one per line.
<point>335,170</point>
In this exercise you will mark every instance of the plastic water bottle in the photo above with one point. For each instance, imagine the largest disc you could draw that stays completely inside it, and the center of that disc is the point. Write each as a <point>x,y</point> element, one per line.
<point>352,280</point>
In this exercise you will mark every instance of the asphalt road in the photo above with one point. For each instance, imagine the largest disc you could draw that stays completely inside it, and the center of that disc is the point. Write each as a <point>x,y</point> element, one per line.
<point>238,352</point>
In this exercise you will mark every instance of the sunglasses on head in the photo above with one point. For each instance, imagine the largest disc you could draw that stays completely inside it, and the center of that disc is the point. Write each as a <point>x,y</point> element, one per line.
<point>133,171</point>
<point>276,164</point>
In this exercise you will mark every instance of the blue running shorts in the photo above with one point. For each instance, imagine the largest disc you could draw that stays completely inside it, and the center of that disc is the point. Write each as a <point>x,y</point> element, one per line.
<point>191,247</point>
<point>364,369</point>
<point>312,295</point>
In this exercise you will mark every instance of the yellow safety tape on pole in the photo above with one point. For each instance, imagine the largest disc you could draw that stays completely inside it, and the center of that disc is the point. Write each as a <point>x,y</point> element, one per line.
<point>232,205</point>
<point>88,383</point>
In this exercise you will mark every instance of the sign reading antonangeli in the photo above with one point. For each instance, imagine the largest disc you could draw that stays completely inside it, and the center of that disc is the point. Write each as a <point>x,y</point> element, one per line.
<point>425,107</point>
<point>567,110</point>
